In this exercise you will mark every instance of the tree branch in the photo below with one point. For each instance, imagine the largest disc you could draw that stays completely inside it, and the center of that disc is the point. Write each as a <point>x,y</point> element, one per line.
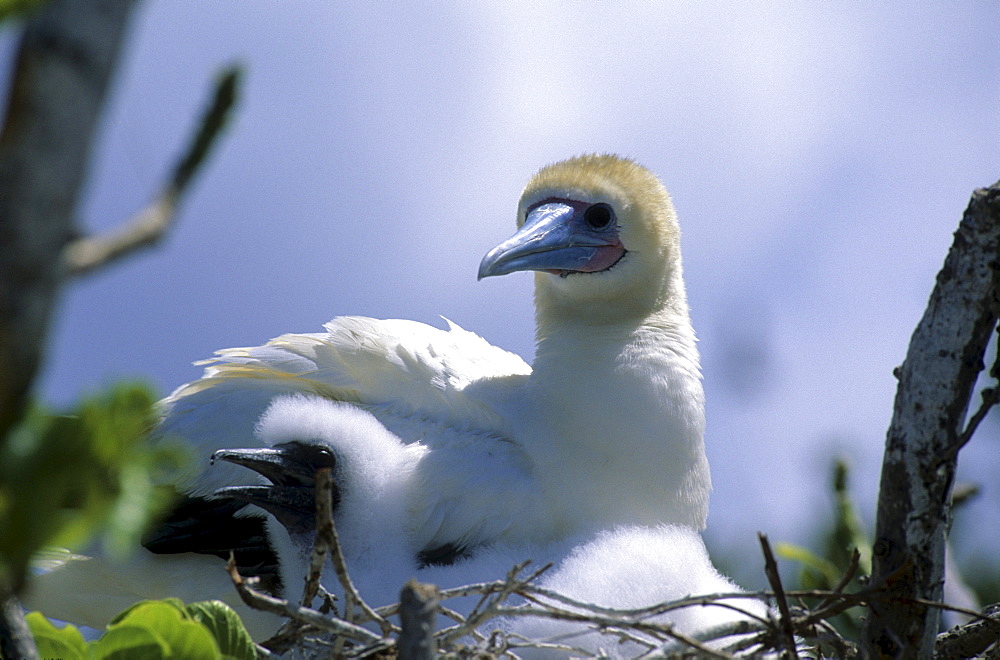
<point>935,383</point>
<point>15,638</point>
<point>971,639</point>
<point>150,225</point>
<point>64,66</point>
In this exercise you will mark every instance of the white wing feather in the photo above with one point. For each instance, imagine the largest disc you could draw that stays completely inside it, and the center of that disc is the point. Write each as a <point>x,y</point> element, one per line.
<point>413,377</point>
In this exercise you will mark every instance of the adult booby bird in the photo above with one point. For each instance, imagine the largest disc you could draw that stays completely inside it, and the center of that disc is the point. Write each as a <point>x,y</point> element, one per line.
<point>604,428</point>
<point>443,444</point>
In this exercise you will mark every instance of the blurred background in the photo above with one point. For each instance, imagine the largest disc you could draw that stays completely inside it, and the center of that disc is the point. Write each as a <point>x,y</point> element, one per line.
<point>819,155</point>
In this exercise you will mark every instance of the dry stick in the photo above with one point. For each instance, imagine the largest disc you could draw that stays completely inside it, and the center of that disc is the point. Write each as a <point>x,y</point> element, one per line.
<point>834,602</point>
<point>652,610</point>
<point>489,605</point>
<point>645,613</point>
<point>321,544</point>
<point>290,632</point>
<point>418,603</point>
<point>459,619</point>
<point>771,570</point>
<point>852,568</point>
<point>326,528</point>
<point>715,633</point>
<point>150,225</point>
<point>304,615</point>
<point>610,622</point>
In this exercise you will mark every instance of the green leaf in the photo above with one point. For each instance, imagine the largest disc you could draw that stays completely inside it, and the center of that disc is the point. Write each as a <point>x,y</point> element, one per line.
<point>818,573</point>
<point>225,625</point>
<point>11,9</point>
<point>52,642</point>
<point>130,643</point>
<point>65,479</point>
<point>848,532</point>
<point>177,633</point>
<point>175,603</point>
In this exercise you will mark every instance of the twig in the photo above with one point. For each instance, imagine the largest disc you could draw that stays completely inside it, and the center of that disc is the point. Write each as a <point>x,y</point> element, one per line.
<point>845,579</point>
<point>991,396</point>
<point>321,544</point>
<point>566,649</point>
<point>281,607</point>
<point>325,527</point>
<point>713,600</point>
<point>717,632</point>
<point>487,608</point>
<point>150,225</point>
<point>603,622</point>
<point>771,570</point>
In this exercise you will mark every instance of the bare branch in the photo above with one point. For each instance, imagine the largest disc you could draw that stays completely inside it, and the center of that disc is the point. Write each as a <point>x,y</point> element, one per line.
<point>991,396</point>
<point>259,601</point>
<point>971,639</point>
<point>771,570</point>
<point>418,603</point>
<point>64,66</point>
<point>327,529</point>
<point>150,225</point>
<point>321,545</point>
<point>918,470</point>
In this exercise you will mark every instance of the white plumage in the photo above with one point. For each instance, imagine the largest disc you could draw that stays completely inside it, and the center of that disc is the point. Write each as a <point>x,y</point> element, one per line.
<point>443,440</point>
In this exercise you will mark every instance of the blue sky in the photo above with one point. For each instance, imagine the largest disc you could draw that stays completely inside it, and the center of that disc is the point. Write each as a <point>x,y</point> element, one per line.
<point>820,155</point>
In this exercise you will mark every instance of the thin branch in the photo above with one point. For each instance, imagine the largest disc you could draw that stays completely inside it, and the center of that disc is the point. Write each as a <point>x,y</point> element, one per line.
<point>991,396</point>
<point>149,226</point>
<point>603,622</point>
<point>845,579</point>
<point>718,632</point>
<point>259,601</point>
<point>487,608</point>
<point>709,600</point>
<point>327,529</point>
<point>321,544</point>
<point>771,570</point>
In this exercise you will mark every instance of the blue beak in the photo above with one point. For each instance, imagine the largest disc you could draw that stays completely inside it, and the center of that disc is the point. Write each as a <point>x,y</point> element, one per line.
<point>554,238</point>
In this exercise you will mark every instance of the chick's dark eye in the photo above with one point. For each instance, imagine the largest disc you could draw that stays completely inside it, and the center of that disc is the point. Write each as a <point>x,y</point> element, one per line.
<point>599,216</point>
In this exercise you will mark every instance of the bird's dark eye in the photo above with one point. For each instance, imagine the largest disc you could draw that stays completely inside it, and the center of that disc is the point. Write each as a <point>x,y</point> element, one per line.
<point>599,216</point>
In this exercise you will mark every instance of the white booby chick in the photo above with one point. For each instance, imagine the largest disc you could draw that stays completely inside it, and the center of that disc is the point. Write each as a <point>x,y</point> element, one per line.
<point>442,443</point>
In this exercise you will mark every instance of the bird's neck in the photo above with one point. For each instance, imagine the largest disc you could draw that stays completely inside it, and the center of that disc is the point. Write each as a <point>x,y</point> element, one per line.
<point>624,409</point>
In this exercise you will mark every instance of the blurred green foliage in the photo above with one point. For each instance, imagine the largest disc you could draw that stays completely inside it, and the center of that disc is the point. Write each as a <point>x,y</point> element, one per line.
<point>84,476</point>
<point>825,569</point>
<point>14,9</point>
<point>153,630</point>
